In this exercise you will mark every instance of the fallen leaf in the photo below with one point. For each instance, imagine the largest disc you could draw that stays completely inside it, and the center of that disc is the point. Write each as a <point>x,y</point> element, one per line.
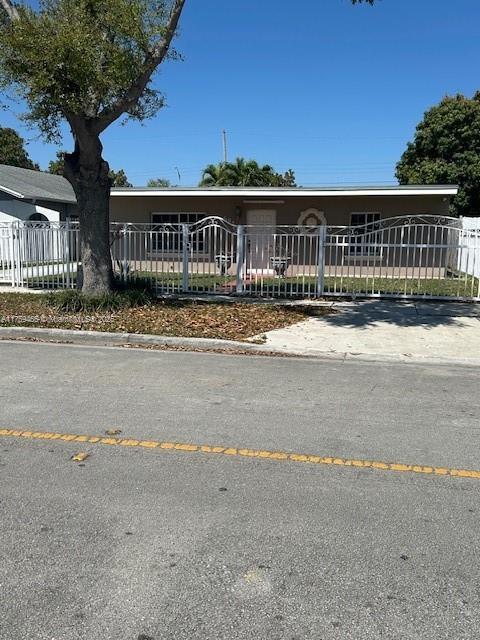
<point>79,457</point>
<point>113,432</point>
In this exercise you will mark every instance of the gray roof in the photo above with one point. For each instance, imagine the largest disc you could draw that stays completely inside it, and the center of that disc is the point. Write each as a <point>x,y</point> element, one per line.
<point>35,185</point>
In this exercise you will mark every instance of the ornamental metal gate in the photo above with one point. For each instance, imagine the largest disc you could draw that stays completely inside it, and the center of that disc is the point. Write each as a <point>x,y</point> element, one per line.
<point>427,257</point>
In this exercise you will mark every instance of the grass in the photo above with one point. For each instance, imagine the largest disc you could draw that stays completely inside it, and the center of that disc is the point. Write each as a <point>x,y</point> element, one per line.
<point>231,321</point>
<point>161,280</point>
<point>452,287</point>
<point>462,285</point>
<point>196,281</point>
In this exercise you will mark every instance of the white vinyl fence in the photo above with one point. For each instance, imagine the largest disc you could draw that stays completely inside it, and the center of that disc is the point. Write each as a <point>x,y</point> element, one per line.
<point>469,262</point>
<point>403,257</point>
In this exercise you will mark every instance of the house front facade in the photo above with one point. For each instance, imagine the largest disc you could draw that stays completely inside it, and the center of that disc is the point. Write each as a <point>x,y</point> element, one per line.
<point>379,240</point>
<point>279,207</point>
<point>398,231</point>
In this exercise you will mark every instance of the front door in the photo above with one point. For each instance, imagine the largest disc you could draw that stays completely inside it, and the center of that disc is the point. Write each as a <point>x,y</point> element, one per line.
<point>261,227</point>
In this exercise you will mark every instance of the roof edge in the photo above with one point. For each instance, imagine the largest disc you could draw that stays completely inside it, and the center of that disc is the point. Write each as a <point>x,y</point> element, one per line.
<point>11,192</point>
<point>400,190</point>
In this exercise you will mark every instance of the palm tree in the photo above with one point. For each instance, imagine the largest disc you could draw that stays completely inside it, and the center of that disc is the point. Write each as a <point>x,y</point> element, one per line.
<point>249,173</point>
<point>217,175</point>
<point>241,173</point>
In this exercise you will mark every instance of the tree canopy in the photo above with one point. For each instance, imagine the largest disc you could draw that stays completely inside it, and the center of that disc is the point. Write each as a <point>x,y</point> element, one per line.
<point>57,166</point>
<point>87,63</point>
<point>161,183</point>
<point>96,60</point>
<point>245,173</point>
<point>119,178</point>
<point>12,150</point>
<point>446,150</point>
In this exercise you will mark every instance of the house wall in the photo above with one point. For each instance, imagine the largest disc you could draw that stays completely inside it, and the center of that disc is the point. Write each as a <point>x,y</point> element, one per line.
<point>12,209</point>
<point>337,209</point>
<point>302,251</point>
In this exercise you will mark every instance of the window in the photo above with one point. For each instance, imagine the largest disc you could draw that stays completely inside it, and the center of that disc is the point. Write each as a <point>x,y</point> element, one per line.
<point>170,238</point>
<point>38,217</point>
<point>365,243</point>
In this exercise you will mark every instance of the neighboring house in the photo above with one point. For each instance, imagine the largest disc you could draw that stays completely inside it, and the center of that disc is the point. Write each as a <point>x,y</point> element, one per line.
<point>29,195</point>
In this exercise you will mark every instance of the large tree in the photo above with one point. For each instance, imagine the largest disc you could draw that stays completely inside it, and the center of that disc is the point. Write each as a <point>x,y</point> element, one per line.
<point>446,150</point>
<point>12,150</point>
<point>89,63</point>
<point>117,178</point>
<point>245,173</point>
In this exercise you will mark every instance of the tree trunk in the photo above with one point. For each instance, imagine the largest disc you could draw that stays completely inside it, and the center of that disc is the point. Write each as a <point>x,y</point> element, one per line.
<point>87,172</point>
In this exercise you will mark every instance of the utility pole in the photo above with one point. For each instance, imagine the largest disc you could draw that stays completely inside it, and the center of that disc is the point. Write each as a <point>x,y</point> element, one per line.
<point>225,153</point>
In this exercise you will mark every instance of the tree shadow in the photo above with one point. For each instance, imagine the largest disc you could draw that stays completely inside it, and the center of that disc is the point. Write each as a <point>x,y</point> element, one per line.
<point>428,315</point>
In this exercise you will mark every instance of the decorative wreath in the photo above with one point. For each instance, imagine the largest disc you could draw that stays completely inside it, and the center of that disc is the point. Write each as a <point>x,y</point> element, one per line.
<point>311,218</point>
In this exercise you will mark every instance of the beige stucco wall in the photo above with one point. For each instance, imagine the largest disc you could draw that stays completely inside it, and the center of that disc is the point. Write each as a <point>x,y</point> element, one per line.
<point>337,209</point>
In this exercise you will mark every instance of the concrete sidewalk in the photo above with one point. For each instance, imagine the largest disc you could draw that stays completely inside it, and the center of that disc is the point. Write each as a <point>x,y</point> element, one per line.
<point>383,328</point>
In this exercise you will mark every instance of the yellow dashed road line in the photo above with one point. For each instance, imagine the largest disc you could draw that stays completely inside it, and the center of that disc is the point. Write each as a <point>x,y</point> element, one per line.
<point>279,456</point>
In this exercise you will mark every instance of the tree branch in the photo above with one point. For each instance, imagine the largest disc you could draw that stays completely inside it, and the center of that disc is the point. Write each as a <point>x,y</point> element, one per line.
<point>10,9</point>
<point>154,58</point>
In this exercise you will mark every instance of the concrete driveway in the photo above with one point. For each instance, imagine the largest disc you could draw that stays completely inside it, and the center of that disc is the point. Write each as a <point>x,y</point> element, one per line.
<point>391,329</point>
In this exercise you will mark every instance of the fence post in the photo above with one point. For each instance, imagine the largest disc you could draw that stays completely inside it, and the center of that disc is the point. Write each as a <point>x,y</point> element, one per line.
<point>66,250</point>
<point>125,252</point>
<point>11,241</point>
<point>16,255</point>
<point>185,247</point>
<point>240,258</point>
<point>322,236</point>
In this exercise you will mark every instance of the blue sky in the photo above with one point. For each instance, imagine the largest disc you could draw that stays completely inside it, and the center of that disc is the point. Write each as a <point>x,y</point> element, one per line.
<point>331,90</point>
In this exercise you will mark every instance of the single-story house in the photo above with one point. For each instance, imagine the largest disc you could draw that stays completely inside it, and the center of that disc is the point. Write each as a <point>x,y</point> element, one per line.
<point>279,206</point>
<point>29,195</point>
<point>35,195</point>
<point>232,237</point>
<point>272,217</point>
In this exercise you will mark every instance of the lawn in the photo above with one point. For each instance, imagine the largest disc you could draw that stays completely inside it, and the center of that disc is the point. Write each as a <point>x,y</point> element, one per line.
<point>466,286</point>
<point>459,285</point>
<point>231,321</point>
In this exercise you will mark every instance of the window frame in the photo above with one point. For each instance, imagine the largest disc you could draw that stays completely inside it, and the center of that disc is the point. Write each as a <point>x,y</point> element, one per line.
<point>358,250</point>
<point>175,246</point>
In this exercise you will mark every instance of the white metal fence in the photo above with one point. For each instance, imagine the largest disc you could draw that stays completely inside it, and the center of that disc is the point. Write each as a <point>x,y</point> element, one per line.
<point>468,260</point>
<point>409,256</point>
<point>40,255</point>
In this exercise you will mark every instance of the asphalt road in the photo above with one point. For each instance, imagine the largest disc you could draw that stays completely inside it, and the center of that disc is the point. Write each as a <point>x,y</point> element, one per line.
<point>139,544</point>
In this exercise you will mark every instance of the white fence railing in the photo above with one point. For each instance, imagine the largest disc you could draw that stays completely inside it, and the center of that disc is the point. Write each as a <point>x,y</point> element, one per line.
<point>468,261</point>
<point>409,256</point>
<point>40,255</point>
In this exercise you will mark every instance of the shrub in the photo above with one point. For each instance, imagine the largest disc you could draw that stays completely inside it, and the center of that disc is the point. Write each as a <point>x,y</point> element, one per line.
<point>125,295</point>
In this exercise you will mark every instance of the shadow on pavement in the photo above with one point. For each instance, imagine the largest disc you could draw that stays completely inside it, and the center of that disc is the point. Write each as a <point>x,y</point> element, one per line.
<point>363,315</point>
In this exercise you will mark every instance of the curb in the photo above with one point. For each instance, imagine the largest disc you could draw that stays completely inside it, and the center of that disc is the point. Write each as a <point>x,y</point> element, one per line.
<point>104,339</point>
